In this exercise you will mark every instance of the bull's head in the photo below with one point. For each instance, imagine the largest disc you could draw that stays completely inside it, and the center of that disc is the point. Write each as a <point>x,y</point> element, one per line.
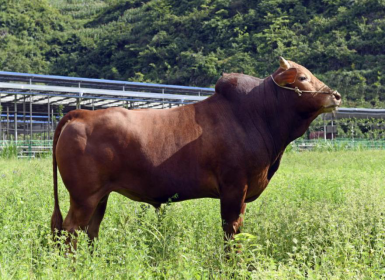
<point>312,95</point>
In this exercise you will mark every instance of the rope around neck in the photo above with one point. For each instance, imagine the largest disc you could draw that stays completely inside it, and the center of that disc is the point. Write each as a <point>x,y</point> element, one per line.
<point>299,92</point>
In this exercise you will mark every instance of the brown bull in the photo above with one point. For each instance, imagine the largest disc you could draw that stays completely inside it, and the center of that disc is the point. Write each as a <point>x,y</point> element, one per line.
<point>228,147</point>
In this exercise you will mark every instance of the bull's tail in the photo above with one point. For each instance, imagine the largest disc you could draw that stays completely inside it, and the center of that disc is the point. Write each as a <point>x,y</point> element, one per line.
<point>57,218</point>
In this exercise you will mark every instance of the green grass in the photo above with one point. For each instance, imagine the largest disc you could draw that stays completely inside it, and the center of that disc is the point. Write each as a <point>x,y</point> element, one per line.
<point>322,217</point>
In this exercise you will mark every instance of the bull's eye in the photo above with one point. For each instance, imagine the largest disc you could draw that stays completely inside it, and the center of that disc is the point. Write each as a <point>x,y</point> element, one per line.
<point>303,78</point>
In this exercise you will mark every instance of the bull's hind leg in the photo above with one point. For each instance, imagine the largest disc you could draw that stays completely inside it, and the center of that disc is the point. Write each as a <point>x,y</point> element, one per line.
<point>96,219</point>
<point>79,216</point>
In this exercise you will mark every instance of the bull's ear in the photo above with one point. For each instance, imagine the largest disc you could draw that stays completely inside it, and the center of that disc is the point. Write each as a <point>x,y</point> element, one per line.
<point>286,77</point>
<point>283,63</point>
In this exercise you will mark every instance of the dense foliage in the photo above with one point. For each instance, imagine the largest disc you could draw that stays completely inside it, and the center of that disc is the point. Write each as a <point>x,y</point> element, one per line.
<point>193,42</point>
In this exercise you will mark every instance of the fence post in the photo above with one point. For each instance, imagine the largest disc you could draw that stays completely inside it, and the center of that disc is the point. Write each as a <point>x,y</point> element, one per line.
<point>1,125</point>
<point>323,116</point>
<point>15,115</point>
<point>30,149</point>
<point>24,124</point>
<point>49,121</point>
<point>30,116</point>
<point>7,123</point>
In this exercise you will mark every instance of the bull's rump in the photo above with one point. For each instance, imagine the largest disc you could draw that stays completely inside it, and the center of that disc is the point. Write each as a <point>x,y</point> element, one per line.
<point>148,155</point>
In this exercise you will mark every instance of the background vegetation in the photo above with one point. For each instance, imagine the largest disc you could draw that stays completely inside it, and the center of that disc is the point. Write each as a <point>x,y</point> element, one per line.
<point>328,224</point>
<point>351,128</point>
<point>193,42</point>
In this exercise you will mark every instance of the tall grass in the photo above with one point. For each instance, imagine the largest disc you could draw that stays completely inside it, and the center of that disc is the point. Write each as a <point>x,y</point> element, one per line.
<point>8,150</point>
<point>322,217</point>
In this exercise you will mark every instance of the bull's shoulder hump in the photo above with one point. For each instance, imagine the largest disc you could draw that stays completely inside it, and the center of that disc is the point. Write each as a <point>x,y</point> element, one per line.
<point>235,82</point>
<point>227,80</point>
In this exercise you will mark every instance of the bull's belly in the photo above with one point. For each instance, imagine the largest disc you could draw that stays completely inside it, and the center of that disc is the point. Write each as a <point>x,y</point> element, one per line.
<point>255,188</point>
<point>157,189</point>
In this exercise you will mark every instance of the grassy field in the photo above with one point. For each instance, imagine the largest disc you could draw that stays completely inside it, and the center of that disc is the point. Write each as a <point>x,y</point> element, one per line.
<point>322,217</point>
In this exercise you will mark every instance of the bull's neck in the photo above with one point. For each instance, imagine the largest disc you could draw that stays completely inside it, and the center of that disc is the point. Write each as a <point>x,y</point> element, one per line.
<point>275,119</point>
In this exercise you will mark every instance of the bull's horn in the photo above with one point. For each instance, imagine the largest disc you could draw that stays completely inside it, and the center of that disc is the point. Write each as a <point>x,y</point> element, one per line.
<point>284,63</point>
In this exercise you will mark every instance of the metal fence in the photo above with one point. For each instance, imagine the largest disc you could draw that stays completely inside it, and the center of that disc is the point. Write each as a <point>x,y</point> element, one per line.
<point>25,148</point>
<point>337,145</point>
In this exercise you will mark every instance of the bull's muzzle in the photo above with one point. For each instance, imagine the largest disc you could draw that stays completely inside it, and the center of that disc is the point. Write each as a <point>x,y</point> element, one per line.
<point>337,97</point>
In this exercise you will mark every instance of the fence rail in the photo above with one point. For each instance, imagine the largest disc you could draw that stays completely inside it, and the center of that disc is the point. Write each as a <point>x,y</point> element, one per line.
<point>337,145</point>
<point>25,148</point>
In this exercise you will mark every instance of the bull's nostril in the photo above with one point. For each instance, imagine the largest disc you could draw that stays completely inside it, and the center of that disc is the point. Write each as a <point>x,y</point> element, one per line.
<point>337,96</point>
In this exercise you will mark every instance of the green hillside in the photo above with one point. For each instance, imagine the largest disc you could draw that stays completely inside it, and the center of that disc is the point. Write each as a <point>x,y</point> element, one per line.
<point>193,42</point>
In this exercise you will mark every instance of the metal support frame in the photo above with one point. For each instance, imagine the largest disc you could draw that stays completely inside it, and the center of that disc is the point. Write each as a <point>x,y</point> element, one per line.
<point>7,97</point>
<point>70,102</point>
<point>15,115</point>
<point>30,116</point>
<point>49,121</point>
<point>7,123</point>
<point>40,99</point>
<point>19,99</point>
<point>1,125</point>
<point>52,90</point>
<point>53,120</point>
<point>24,123</point>
<point>109,103</point>
<point>323,116</point>
<point>58,100</point>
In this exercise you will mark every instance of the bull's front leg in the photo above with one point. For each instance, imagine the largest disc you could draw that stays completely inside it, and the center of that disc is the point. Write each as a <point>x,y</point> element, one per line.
<point>233,207</point>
